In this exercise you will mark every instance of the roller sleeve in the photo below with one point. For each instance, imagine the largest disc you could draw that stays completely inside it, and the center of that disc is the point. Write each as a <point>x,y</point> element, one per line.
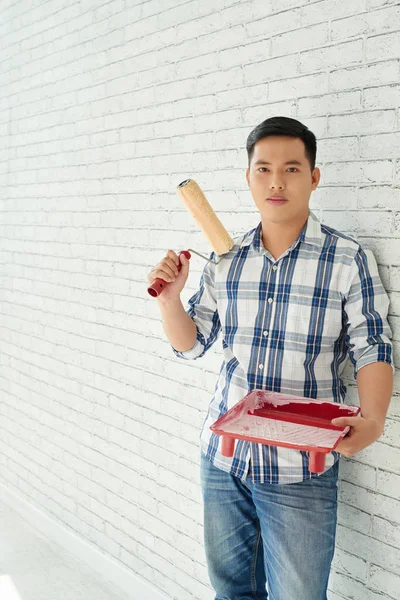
<point>201,211</point>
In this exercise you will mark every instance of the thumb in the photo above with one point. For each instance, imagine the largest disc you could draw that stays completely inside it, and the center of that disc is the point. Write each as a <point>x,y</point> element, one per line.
<point>343,421</point>
<point>185,264</point>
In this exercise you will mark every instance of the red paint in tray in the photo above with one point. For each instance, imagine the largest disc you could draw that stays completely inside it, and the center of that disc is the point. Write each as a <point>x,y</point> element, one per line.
<point>283,420</point>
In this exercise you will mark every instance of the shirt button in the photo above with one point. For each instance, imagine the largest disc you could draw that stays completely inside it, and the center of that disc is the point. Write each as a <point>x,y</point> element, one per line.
<point>270,300</point>
<point>261,366</point>
<point>265,333</point>
<point>275,268</point>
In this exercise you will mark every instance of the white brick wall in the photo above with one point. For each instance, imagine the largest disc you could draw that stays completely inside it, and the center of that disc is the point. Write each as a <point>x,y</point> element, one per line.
<point>104,108</point>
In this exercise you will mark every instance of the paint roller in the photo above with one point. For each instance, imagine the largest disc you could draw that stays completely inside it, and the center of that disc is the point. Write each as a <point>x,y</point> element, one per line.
<point>201,211</point>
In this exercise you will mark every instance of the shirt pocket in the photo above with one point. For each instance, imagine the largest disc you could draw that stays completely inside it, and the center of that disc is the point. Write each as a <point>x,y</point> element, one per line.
<point>315,315</point>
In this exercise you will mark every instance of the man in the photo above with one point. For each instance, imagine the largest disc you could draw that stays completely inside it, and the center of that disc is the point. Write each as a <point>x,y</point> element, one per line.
<point>292,300</point>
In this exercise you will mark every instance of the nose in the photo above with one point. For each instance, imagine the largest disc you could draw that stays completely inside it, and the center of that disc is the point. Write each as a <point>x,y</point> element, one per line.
<point>276,184</point>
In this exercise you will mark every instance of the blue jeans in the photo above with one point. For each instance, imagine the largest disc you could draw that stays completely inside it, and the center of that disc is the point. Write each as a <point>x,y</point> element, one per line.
<point>256,533</point>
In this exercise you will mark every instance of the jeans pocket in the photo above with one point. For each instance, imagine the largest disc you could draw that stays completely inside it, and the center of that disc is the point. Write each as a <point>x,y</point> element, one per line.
<point>330,476</point>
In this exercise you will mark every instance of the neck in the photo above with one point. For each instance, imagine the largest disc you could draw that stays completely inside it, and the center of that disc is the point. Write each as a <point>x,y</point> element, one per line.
<point>278,237</point>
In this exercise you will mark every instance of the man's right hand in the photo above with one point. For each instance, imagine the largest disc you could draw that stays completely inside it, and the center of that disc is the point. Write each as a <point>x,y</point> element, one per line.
<point>167,269</point>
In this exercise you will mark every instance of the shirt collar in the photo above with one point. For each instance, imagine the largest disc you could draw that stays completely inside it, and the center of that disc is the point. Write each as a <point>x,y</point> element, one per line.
<point>310,234</point>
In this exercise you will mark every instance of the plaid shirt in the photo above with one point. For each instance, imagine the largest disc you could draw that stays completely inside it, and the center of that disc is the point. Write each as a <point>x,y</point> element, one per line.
<point>288,325</point>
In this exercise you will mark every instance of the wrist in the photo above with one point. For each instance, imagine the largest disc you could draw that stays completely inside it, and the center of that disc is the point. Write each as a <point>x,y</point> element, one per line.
<point>167,303</point>
<point>379,423</point>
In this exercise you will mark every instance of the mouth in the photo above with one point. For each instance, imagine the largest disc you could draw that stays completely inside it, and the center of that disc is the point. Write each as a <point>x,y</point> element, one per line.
<point>276,200</point>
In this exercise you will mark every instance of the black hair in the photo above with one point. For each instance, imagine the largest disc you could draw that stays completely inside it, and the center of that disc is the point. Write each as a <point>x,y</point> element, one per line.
<point>283,126</point>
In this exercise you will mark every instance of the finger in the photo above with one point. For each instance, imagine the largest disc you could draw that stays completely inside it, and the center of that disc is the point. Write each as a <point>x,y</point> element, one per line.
<point>164,274</point>
<point>152,275</point>
<point>171,264</point>
<point>348,453</point>
<point>167,265</point>
<point>173,255</point>
<point>185,264</point>
<point>343,421</point>
<point>168,270</point>
<point>344,448</point>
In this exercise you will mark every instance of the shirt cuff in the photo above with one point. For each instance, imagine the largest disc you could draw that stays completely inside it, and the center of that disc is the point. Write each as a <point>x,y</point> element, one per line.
<point>191,354</point>
<point>376,353</point>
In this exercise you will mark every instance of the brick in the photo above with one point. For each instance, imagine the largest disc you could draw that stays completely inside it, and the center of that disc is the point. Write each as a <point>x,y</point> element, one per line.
<point>366,23</point>
<point>392,431</point>
<point>238,13</point>
<point>379,171</point>
<point>331,56</point>
<point>368,548</point>
<point>206,25</point>
<point>351,565</point>
<point>255,93</point>
<point>372,224</point>
<point>275,67</point>
<point>367,122</point>
<point>343,198</point>
<point>226,119</point>
<point>329,103</point>
<point>375,197</point>
<point>193,67</point>
<point>367,75</point>
<point>379,3</point>
<point>386,531</point>
<point>333,8</point>
<point>379,454</point>
<point>176,15</point>
<point>382,46</point>
<point>219,80</point>
<point>272,24</point>
<point>353,518</point>
<point>356,473</point>
<point>369,501</point>
<point>356,590</point>
<point>297,86</point>
<point>387,96</point>
<point>248,53</point>
<point>257,114</point>
<point>300,39</point>
<point>384,582</point>
<point>216,41</point>
<point>343,148</point>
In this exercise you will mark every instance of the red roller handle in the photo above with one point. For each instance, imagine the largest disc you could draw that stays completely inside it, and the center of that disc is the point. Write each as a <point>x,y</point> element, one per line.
<point>157,286</point>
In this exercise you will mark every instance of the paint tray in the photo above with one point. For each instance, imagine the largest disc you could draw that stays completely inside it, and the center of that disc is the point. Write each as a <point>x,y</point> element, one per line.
<point>284,420</point>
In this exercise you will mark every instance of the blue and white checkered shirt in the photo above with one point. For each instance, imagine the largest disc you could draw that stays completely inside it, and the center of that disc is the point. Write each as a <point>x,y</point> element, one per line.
<point>288,325</point>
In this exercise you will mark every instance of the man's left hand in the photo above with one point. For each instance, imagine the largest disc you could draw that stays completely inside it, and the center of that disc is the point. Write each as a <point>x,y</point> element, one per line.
<point>363,432</point>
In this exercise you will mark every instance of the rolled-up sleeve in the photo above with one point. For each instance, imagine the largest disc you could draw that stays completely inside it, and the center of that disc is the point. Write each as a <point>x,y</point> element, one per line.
<point>365,309</point>
<point>202,308</point>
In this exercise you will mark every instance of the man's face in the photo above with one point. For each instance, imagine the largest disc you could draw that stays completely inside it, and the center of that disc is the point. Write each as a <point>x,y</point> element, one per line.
<point>280,168</point>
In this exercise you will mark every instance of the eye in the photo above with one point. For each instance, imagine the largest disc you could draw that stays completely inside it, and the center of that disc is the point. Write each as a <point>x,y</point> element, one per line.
<point>290,169</point>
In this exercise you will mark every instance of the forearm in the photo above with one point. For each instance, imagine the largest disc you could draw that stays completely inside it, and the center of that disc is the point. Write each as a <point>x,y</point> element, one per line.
<point>178,326</point>
<point>375,388</point>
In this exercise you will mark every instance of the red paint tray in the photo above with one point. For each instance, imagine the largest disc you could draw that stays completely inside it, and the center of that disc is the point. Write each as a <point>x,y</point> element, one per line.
<point>284,420</point>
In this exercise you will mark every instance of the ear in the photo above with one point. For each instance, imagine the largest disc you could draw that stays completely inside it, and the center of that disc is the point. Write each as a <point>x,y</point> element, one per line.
<point>248,176</point>
<point>315,178</point>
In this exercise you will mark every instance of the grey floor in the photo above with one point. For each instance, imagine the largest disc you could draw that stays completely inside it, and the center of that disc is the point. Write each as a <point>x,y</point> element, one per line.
<point>32,569</point>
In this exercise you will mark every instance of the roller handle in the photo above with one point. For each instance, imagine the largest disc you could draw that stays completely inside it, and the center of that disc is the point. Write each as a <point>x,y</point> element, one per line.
<point>157,286</point>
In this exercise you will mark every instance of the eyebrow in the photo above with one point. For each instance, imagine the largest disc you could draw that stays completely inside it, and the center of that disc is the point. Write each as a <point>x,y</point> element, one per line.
<point>289,162</point>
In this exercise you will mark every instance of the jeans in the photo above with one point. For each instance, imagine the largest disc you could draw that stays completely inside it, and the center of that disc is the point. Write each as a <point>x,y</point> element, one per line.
<point>257,534</point>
